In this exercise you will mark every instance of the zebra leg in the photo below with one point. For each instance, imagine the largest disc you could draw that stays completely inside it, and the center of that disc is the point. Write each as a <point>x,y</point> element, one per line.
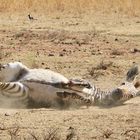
<point>13,89</point>
<point>74,96</point>
<point>79,84</point>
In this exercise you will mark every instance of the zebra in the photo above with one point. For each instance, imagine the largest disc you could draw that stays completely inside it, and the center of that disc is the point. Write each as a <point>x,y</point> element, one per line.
<point>41,86</point>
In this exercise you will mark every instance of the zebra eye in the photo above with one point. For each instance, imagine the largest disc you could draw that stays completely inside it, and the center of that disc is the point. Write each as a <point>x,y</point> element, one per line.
<point>123,83</point>
<point>3,66</point>
<point>88,86</point>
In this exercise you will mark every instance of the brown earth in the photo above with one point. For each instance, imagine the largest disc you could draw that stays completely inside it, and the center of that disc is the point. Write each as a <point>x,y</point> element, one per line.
<point>95,47</point>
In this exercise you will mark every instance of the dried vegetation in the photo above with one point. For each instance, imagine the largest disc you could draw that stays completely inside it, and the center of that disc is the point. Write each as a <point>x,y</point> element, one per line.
<point>128,7</point>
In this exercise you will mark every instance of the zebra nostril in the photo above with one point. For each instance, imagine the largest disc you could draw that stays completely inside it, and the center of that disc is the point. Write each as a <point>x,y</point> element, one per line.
<point>131,96</point>
<point>137,84</point>
<point>88,86</point>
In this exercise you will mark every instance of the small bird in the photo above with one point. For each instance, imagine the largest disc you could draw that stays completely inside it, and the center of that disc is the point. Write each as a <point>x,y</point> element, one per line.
<point>31,18</point>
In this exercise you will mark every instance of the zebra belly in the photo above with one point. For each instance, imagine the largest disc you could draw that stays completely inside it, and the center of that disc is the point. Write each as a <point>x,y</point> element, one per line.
<point>42,92</point>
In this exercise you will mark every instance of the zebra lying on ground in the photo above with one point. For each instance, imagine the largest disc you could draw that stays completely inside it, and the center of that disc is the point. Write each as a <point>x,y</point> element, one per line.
<point>46,86</point>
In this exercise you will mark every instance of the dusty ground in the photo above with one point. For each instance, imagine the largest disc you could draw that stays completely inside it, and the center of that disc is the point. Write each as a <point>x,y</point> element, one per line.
<point>97,48</point>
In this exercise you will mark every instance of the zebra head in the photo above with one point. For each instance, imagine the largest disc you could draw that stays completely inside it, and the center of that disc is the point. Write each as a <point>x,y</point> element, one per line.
<point>12,71</point>
<point>132,84</point>
<point>129,88</point>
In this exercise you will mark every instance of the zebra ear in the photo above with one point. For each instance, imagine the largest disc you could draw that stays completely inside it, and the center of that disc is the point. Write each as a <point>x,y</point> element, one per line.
<point>132,73</point>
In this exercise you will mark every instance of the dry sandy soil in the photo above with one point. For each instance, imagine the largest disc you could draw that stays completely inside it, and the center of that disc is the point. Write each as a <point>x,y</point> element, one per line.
<point>98,48</point>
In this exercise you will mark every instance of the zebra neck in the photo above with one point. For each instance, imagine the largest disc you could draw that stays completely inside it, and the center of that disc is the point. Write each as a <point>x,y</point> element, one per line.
<point>19,75</point>
<point>99,96</point>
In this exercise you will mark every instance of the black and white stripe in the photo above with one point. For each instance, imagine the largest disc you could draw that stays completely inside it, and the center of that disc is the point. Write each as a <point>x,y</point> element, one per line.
<point>14,89</point>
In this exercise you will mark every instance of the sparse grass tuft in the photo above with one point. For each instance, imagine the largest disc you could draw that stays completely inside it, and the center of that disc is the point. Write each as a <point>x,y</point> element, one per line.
<point>71,38</point>
<point>1,54</point>
<point>13,133</point>
<point>116,52</point>
<point>107,133</point>
<point>32,60</point>
<point>52,134</point>
<point>71,134</point>
<point>104,65</point>
<point>18,35</point>
<point>34,136</point>
<point>96,71</point>
<point>4,54</point>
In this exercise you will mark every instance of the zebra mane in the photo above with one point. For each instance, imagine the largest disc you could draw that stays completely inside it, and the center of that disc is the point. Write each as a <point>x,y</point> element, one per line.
<point>21,74</point>
<point>23,70</point>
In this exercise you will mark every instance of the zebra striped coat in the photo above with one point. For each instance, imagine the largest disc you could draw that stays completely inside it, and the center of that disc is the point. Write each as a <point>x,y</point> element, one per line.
<point>45,86</point>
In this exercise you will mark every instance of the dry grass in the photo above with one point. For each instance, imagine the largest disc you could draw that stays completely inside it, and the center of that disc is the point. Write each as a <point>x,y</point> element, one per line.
<point>104,65</point>
<point>13,133</point>
<point>49,134</point>
<point>52,134</point>
<point>32,60</point>
<point>4,54</point>
<point>98,70</point>
<point>116,52</point>
<point>79,6</point>
<point>1,55</point>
